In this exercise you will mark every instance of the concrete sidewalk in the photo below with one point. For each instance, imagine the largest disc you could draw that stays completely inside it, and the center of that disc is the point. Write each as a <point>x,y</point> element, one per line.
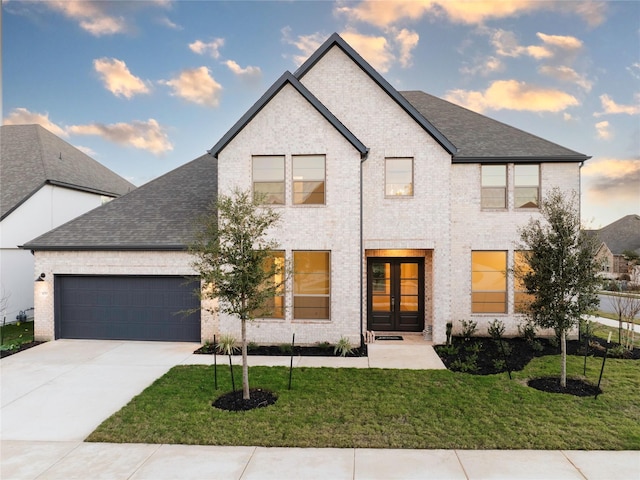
<point>77,460</point>
<point>56,394</point>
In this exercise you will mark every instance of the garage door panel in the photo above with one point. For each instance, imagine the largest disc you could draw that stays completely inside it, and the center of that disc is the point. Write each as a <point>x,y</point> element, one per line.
<point>126,308</point>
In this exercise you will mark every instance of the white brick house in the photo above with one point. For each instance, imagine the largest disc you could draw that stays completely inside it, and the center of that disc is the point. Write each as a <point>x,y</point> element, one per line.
<point>399,211</point>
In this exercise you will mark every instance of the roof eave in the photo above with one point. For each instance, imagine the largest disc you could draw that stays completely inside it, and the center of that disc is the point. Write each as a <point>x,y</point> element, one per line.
<point>105,248</point>
<point>522,159</point>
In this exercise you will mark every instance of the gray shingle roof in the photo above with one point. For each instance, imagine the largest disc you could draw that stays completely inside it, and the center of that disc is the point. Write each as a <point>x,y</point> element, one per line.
<point>481,139</point>
<point>160,215</point>
<point>31,156</point>
<point>621,235</point>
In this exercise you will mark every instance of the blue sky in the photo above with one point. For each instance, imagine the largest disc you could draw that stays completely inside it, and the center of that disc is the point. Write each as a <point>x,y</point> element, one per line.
<point>146,86</point>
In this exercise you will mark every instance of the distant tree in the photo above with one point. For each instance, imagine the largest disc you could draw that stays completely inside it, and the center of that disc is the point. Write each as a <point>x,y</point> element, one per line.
<point>232,256</point>
<point>563,273</point>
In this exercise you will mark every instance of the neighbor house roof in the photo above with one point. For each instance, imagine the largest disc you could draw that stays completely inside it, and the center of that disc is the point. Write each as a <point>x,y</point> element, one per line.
<point>288,79</point>
<point>31,157</point>
<point>481,139</point>
<point>160,215</point>
<point>621,235</point>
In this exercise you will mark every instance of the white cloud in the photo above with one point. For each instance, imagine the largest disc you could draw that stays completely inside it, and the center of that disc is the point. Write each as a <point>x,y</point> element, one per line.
<point>102,18</point>
<point>634,70</point>
<point>603,131</point>
<point>566,74</point>
<point>608,176</point>
<point>118,79</point>
<point>407,41</point>
<point>211,48</point>
<point>147,135</point>
<point>484,67</point>
<point>386,13</point>
<point>197,86</point>
<point>248,72</point>
<point>166,22</point>
<point>513,95</point>
<point>22,116</point>
<point>307,44</point>
<point>563,42</point>
<point>610,107</point>
<point>86,151</point>
<point>374,49</point>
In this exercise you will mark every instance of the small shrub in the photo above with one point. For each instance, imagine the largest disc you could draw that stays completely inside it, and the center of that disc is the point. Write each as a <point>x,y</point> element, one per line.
<point>527,330</point>
<point>474,347</point>
<point>448,349</point>
<point>227,345</point>
<point>499,364</point>
<point>343,347</point>
<point>537,346</point>
<point>469,328</point>
<point>252,346</point>
<point>285,348</point>
<point>506,347</point>
<point>449,330</point>
<point>468,365</point>
<point>617,352</point>
<point>496,329</point>
<point>324,345</point>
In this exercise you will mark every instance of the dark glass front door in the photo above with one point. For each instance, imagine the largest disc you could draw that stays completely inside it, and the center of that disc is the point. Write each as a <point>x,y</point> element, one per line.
<point>395,296</point>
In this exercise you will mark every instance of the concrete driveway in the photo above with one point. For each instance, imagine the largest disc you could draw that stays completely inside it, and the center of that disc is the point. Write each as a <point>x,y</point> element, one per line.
<point>62,390</point>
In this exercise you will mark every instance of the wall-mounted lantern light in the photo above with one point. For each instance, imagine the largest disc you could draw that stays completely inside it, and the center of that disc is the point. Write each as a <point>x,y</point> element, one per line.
<point>40,278</point>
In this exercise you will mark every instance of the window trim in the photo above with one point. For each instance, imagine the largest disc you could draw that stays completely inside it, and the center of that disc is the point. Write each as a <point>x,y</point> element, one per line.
<point>505,188</point>
<point>283,181</point>
<point>294,181</point>
<point>409,195</point>
<point>293,290</point>
<point>505,292</point>
<point>516,186</point>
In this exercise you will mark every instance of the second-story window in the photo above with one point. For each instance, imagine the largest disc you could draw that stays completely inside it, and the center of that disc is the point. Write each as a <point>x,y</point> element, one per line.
<point>268,178</point>
<point>398,177</point>
<point>308,179</point>
<point>494,186</point>
<point>526,186</point>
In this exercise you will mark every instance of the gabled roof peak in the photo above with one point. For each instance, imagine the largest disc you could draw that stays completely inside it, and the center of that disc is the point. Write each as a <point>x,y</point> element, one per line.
<point>336,40</point>
<point>287,78</point>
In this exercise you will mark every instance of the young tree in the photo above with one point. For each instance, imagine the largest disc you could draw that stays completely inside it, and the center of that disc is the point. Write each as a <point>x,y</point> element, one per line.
<point>562,277</point>
<point>232,254</point>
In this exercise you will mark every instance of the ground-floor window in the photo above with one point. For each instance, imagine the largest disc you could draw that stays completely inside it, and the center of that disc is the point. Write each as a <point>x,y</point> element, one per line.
<point>274,307</point>
<point>521,299</point>
<point>311,285</point>
<point>488,282</point>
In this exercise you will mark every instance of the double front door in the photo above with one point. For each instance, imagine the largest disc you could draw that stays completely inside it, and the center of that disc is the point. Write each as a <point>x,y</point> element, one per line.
<point>395,294</point>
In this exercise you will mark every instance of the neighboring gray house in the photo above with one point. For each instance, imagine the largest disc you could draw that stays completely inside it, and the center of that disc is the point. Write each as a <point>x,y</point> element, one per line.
<point>44,182</point>
<point>615,239</point>
<point>399,214</point>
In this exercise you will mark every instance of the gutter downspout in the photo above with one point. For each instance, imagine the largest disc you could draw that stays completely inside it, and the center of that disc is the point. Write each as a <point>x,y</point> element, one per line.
<point>363,158</point>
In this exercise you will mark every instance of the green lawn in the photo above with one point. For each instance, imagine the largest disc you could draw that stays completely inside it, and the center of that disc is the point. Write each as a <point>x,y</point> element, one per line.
<point>15,334</point>
<point>389,409</point>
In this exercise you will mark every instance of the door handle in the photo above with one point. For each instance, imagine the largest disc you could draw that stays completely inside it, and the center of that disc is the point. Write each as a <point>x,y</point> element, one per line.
<point>393,304</point>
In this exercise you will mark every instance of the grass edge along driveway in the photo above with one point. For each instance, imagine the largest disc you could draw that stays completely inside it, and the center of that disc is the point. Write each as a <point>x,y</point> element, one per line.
<point>375,408</point>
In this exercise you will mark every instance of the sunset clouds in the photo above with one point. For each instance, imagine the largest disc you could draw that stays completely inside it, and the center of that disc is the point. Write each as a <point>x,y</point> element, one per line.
<point>118,79</point>
<point>196,85</point>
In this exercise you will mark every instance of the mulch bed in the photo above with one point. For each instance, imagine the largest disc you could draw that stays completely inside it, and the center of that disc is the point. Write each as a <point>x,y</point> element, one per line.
<point>24,346</point>
<point>233,401</point>
<point>576,387</point>
<point>285,350</point>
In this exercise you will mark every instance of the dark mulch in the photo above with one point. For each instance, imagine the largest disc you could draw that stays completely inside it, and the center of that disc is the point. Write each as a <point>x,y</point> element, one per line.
<point>484,356</point>
<point>285,350</point>
<point>576,387</point>
<point>24,346</point>
<point>234,402</point>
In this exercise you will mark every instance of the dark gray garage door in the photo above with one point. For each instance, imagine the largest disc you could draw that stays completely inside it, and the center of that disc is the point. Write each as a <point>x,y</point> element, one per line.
<point>126,308</point>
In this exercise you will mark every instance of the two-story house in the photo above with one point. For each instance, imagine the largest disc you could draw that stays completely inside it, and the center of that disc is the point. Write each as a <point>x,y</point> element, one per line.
<point>399,210</point>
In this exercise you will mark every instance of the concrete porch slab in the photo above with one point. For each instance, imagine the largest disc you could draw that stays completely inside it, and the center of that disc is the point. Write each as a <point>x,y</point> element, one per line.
<point>399,355</point>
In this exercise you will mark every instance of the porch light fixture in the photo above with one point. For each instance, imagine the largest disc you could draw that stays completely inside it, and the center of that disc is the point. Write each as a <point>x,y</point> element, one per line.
<point>40,278</point>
